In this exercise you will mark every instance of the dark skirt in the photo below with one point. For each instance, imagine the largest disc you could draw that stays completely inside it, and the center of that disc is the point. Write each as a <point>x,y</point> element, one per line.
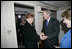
<point>30,44</point>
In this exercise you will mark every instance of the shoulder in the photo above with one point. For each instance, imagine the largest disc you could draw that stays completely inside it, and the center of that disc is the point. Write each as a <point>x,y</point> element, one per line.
<point>44,21</point>
<point>54,20</point>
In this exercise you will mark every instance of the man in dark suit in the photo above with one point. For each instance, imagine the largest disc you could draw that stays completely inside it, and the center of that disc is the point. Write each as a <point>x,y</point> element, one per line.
<point>51,29</point>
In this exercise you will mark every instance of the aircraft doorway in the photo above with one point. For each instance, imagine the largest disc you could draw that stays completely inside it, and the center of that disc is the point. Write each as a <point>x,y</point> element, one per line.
<point>20,13</point>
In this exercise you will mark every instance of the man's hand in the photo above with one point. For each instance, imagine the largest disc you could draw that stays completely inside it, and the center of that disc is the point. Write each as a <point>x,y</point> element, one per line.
<point>42,36</point>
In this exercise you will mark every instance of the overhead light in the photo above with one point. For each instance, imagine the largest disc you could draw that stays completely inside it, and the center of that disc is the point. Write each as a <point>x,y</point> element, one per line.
<point>19,16</point>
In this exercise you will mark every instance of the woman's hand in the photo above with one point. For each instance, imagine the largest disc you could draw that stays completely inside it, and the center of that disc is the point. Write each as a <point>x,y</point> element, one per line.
<point>57,46</point>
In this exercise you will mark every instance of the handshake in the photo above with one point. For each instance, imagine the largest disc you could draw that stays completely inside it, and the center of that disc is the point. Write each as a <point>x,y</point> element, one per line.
<point>42,36</point>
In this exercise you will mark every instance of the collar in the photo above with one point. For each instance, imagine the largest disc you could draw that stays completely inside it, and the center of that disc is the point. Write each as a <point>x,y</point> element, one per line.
<point>48,19</point>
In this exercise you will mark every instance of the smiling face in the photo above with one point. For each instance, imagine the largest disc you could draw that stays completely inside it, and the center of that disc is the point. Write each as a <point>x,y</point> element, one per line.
<point>30,20</point>
<point>67,22</point>
<point>45,15</point>
<point>67,17</point>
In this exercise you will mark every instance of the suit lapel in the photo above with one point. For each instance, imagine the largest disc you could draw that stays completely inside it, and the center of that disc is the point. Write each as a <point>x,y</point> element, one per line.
<point>49,24</point>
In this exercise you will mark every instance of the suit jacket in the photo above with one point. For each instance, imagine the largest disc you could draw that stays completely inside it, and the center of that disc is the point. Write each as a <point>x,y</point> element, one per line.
<point>52,32</point>
<point>30,36</point>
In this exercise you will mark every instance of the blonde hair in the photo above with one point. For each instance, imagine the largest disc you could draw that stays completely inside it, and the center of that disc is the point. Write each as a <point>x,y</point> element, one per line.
<point>67,14</point>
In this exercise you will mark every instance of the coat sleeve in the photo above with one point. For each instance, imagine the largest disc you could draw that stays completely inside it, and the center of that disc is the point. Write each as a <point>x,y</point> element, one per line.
<point>36,36</point>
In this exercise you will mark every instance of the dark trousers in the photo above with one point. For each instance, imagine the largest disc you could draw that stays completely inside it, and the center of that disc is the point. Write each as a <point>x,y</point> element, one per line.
<point>50,43</point>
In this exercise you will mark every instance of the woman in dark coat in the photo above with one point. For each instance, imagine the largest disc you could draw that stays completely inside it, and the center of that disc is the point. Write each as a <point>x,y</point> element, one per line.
<point>30,35</point>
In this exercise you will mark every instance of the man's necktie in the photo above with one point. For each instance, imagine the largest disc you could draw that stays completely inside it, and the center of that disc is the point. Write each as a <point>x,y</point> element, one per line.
<point>46,24</point>
<point>46,27</point>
